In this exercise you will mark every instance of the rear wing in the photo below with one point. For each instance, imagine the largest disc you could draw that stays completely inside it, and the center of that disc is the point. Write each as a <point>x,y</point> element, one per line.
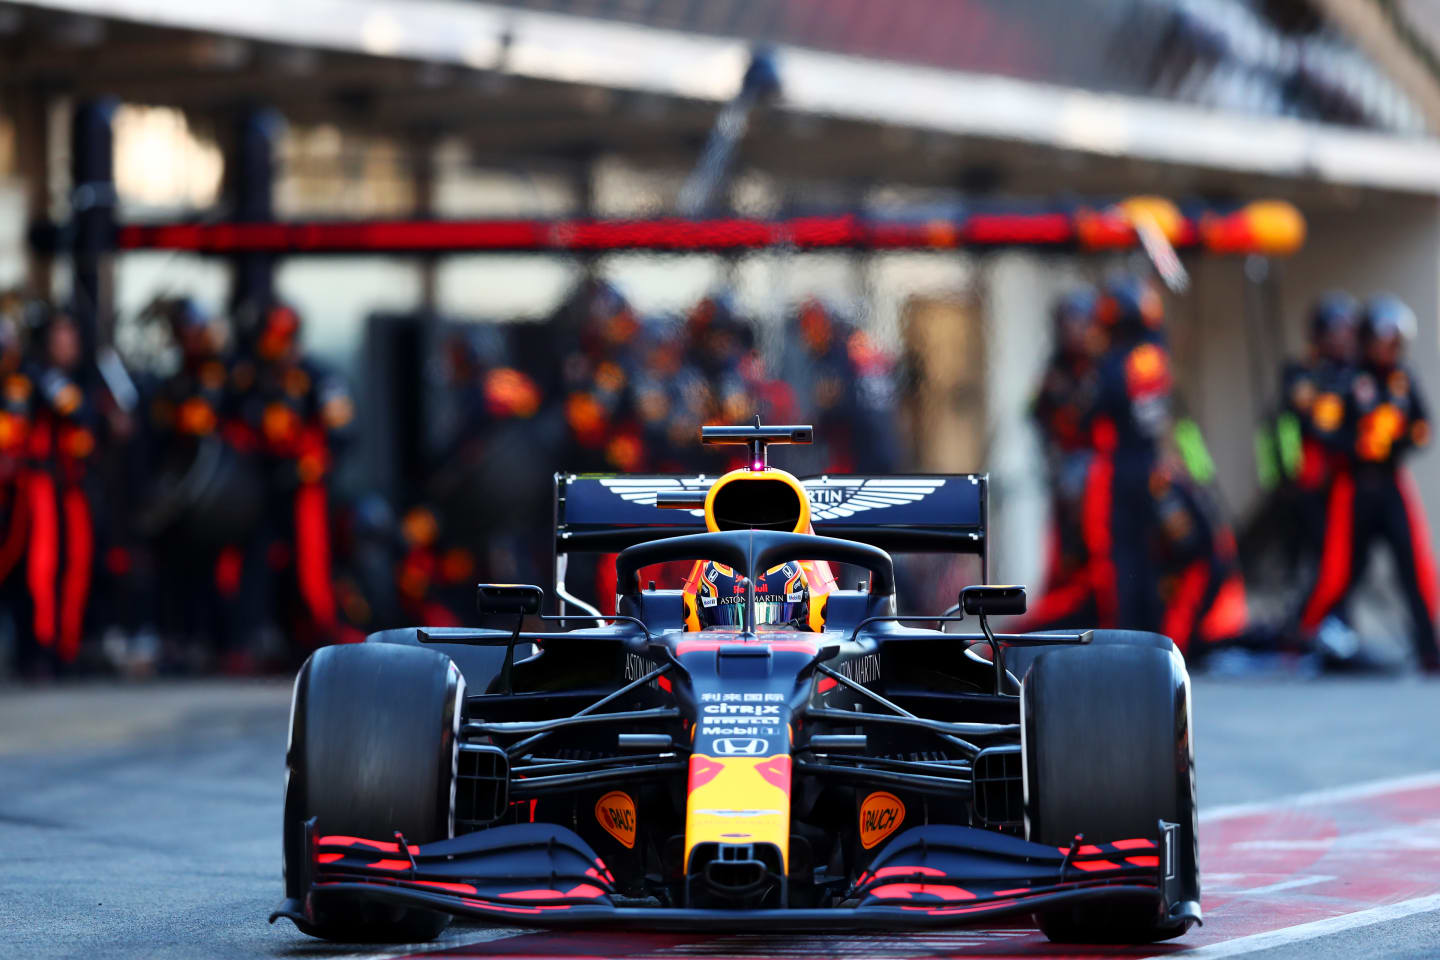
<point>919,513</point>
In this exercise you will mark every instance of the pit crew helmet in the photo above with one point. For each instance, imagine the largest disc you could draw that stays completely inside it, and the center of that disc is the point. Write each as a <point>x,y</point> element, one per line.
<point>279,332</point>
<point>1075,306</point>
<point>1387,317</point>
<point>1333,326</point>
<point>1387,327</point>
<point>782,598</point>
<point>1334,312</point>
<point>1074,317</point>
<point>1129,303</point>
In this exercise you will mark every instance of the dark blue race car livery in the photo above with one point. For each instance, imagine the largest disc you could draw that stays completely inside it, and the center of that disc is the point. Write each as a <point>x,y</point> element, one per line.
<point>851,768</point>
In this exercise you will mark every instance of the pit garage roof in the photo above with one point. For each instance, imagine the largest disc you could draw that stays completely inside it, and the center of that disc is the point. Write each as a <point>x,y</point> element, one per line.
<point>521,82</point>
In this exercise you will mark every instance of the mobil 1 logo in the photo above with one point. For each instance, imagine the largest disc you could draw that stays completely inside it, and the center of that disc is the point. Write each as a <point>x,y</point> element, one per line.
<point>741,724</point>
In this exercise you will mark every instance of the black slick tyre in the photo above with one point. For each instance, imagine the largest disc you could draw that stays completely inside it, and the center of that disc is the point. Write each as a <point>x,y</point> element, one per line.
<point>1108,755</point>
<point>373,749</point>
<point>1019,659</point>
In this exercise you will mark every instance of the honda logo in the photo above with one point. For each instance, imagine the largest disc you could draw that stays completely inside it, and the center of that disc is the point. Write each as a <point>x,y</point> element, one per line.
<point>740,747</point>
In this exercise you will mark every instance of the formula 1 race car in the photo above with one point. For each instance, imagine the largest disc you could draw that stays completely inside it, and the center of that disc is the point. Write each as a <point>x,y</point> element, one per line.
<point>758,749</point>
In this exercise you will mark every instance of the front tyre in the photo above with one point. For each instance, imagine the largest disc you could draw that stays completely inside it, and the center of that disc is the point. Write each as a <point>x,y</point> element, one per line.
<point>374,740</point>
<point>1108,754</point>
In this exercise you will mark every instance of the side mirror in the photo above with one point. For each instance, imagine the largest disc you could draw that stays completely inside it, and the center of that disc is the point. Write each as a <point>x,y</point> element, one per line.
<point>514,599</point>
<point>680,499</point>
<point>989,600</point>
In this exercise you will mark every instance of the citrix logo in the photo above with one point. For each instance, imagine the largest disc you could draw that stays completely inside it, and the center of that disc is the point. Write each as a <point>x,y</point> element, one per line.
<point>752,709</point>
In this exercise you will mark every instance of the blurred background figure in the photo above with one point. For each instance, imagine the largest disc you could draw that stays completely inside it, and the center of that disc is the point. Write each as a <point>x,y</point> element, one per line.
<point>368,548</point>
<point>596,346</point>
<point>191,418</point>
<point>63,445</point>
<point>1312,415</point>
<point>17,415</point>
<point>304,325</point>
<point>1384,419</point>
<point>435,579</point>
<point>483,480</point>
<point>1135,541</point>
<point>1128,422</point>
<point>1060,410</point>
<point>302,416</point>
<point>671,396</point>
<point>1201,587</point>
<point>845,385</point>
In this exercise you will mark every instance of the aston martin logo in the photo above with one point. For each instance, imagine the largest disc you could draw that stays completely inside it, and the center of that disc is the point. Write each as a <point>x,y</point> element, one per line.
<point>642,490</point>
<point>831,498</point>
<point>834,498</point>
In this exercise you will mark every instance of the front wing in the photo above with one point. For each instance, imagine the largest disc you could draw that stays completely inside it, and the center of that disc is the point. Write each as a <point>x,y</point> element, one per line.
<point>546,875</point>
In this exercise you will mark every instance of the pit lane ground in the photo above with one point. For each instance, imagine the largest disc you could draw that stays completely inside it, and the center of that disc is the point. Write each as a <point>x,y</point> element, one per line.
<point>143,821</point>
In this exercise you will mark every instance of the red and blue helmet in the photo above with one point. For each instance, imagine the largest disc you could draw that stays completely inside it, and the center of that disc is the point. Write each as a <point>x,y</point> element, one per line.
<point>782,597</point>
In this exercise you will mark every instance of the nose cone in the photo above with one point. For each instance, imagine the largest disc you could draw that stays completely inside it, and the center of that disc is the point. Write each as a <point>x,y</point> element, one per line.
<point>737,821</point>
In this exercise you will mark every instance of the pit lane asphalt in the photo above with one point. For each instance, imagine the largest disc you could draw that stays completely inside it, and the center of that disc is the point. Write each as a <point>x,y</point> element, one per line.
<point>144,821</point>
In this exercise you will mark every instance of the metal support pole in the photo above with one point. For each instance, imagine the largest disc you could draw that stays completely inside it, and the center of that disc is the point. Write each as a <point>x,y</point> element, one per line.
<point>760,83</point>
<point>425,146</point>
<point>29,106</point>
<point>252,192</point>
<point>584,171</point>
<point>92,201</point>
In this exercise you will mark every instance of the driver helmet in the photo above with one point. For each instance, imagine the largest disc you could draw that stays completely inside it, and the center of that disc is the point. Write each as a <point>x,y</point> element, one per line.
<point>782,597</point>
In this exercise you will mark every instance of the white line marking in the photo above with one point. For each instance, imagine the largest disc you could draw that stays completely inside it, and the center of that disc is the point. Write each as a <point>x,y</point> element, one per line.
<point>1318,928</point>
<point>1269,888</point>
<point>1357,791</point>
<point>1345,921</point>
<point>455,938</point>
<point>1422,835</point>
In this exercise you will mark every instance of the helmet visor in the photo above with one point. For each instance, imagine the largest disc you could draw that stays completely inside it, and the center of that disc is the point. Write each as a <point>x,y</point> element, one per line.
<point>726,613</point>
<point>772,613</point>
<point>767,612</point>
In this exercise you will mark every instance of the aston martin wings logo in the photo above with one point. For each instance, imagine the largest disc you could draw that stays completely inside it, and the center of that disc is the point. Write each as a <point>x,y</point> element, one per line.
<point>831,498</point>
<point>835,498</point>
<point>642,490</point>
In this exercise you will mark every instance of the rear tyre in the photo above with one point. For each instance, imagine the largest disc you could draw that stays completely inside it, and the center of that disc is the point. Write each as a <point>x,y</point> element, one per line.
<point>1108,755</point>
<point>374,733</point>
